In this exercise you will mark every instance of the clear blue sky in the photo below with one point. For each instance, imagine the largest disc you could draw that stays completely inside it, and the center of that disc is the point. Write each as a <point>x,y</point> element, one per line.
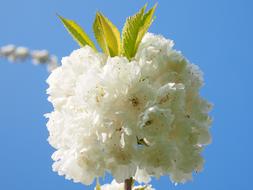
<point>215,34</point>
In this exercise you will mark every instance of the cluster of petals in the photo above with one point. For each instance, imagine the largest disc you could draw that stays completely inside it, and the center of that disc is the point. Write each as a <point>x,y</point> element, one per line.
<point>142,117</point>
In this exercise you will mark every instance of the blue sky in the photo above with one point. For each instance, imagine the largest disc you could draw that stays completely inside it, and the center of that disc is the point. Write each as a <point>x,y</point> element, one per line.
<point>214,34</point>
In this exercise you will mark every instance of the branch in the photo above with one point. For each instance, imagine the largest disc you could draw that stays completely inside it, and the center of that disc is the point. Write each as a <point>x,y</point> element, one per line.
<point>128,184</point>
<point>17,54</point>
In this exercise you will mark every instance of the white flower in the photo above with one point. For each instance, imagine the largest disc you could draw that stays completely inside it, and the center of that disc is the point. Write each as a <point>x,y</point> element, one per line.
<point>120,186</point>
<point>139,118</point>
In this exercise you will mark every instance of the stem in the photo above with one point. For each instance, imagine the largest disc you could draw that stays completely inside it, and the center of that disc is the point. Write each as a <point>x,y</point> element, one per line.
<point>18,54</point>
<point>128,184</point>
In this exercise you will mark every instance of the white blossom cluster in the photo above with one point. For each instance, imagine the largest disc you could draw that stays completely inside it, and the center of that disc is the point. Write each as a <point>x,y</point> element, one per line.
<point>120,186</point>
<point>139,118</point>
<point>18,54</point>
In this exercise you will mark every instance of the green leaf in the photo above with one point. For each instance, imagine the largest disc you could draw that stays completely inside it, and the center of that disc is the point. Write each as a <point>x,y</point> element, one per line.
<point>147,21</point>
<point>130,33</point>
<point>107,35</point>
<point>135,28</point>
<point>77,32</point>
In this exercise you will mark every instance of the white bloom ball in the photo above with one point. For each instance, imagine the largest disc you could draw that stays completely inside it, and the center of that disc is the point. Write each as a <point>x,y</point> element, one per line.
<point>139,118</point>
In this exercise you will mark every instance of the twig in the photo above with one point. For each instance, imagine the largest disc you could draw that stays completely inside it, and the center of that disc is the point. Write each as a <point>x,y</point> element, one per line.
<point>128,184</point>
<point>18,54</point>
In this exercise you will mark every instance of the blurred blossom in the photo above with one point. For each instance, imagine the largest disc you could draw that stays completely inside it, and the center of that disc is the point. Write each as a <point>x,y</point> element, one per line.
<point>40,56</point>
<point>17,54</point>
<point>7,51</point>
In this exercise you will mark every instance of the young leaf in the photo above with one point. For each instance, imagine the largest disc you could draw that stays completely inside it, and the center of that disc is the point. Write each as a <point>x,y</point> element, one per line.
<point>147,21</point>
<point>135,28</point>
<point>107,35</point>
<point>130,33</point>
<point>77,32</point>
<point>99,35</point>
